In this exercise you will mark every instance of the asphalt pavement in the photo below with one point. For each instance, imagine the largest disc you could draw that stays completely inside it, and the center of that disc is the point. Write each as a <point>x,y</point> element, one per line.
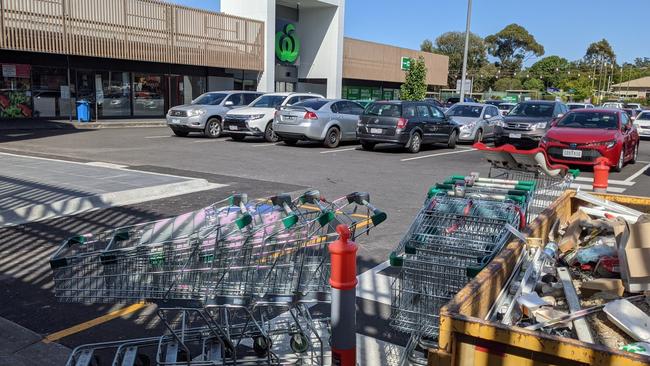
<point>397,182</point>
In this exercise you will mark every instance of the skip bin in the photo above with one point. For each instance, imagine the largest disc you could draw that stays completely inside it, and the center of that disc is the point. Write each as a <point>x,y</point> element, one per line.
<point>83,111</point>
<point>467,339</point>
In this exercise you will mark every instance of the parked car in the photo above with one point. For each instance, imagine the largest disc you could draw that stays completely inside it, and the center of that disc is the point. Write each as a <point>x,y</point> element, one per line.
<point>327,120</point>
<point>364,103</point>
<point>528,121</point>
<point>573,106</point>
<point>582,136</point>
<point>631,112</point>
<point>435,102</point>
<point>206,113</point>
<point>613,105</point>
<point>506,107</point>
<point>636,106</point>
<point>410,124</point>
<point>477,121</point>
<point>642,124</point>
<point>257,118</point>
<point>453,100</point>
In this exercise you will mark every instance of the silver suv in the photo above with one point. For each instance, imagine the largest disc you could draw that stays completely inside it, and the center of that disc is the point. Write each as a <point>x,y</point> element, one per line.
<point>206,113</point>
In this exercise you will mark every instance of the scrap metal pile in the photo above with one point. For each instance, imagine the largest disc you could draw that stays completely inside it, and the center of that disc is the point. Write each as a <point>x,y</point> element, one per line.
<point>246,272</point>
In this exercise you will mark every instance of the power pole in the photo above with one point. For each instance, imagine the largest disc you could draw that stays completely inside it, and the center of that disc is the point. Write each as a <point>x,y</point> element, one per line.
<point>464,74</point>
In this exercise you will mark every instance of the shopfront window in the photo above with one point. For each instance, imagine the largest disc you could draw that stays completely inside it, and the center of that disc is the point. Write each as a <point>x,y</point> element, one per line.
<point>193,86</point>
<point>148,98</point>
<point>15,91</point>
<point>50,92</point>
<point>116,94</point>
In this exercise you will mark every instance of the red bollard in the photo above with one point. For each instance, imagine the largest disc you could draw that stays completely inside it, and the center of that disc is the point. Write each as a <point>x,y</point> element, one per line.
<point>343,279</point>
<point>601,175</point>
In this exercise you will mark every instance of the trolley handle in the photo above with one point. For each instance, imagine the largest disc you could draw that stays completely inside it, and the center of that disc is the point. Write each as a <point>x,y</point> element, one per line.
<point>284,200</point>
<point>363,198</point>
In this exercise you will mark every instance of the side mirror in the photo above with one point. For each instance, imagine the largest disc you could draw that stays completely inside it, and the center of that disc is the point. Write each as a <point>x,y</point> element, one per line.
<point>229,103</point>
<point>487,116</point>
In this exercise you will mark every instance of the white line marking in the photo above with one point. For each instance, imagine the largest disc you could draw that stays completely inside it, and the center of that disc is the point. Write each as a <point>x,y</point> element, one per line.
<point>637,174</point>
<point>588,187</point>
<point>374,286</point>
<point>268,144</point>
<point>643,162</point>
<point>339,150</point>
<point>106,165</point>
<point>157,137</point>
<point>439,154</point>
<point>611,181</point>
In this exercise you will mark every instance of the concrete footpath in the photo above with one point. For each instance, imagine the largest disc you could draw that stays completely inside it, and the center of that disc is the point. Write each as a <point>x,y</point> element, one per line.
<point>20,346</point>
<point>45,124</point>
<point>34,189</point>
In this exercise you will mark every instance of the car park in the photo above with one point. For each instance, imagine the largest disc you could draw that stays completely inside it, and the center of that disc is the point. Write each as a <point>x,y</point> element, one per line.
<point>528,121</point>
<point>477,121</point>
<point>206,113</point>
<point>642,124</point>
<point>583,136</point>
<point>573,106</point>
<point>329,121</point>
<point>257,119</point>
<point>407,123</point>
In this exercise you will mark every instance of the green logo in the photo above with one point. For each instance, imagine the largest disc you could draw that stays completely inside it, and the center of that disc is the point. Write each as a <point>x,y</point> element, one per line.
<point>406,63</point>
<point>287,45</point>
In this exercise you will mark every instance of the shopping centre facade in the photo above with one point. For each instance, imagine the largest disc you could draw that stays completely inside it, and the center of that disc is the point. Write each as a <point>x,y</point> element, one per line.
<point>138,58</point>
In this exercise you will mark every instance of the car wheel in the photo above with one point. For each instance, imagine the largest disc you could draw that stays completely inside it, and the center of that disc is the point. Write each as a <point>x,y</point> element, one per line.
<point>332,138</point>
<point>415,144</point>
<point>213,128</point>
<point>479,136</point>
<point>269,134</point>
<point>238,137</point>
<point>635,157</point>
<point>180,133</point>
<point>621,161</point>
<point>453,139</point>
<point>367,145</point>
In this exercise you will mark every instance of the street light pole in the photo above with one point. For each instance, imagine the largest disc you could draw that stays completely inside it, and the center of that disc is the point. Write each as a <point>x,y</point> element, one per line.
<point>464,75</point>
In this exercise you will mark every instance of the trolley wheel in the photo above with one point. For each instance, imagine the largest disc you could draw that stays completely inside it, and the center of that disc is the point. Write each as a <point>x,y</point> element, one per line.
<point>299,343</point>
<point>332,138</point>
<point>180,133</point>
<point>213,128</point>
<point>367,145</point>
<point>238,137</point>
<point>262,345</point>
<point>453,139</point>
<point>269,134</point>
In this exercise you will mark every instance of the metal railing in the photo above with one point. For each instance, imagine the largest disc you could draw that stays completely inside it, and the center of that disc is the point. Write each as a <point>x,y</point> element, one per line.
<point>143,30</point>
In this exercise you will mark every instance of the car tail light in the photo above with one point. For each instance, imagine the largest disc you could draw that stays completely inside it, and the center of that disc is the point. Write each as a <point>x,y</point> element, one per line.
<point>401,123</point>
<point>310,115</point>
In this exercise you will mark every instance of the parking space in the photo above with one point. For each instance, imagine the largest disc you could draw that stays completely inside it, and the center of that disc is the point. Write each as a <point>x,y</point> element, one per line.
<point>396,180</point>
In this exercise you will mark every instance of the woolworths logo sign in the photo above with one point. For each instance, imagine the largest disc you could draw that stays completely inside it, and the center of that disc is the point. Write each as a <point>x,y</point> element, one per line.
<point>287,45</point>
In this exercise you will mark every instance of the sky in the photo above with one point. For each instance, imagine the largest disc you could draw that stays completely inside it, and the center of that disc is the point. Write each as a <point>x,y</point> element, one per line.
<point>564,27</point>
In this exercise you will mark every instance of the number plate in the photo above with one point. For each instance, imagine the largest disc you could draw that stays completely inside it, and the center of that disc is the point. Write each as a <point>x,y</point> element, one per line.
<point>288,118</point>
<point>572,153</point>
<point>176,120</point>
<point>378,131</point>
<point>232,128</point>
<point>515,135</point>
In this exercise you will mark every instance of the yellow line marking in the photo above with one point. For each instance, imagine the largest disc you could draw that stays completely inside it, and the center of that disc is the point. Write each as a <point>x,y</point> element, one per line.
<point>93,322</point>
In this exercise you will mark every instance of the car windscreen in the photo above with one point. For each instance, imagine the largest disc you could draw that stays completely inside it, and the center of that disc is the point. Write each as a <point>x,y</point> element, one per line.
<point>386,110</point>
<point>575,106</point>
<point>268,101</point>
<point>314,104</point>
<point>209,99</point>
<point>600,120</point>
<point>464,111</point>
<point>533,110</point>
<point>644,116</point>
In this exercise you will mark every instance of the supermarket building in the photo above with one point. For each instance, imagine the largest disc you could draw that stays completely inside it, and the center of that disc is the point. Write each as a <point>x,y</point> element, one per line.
<point>138,58</point>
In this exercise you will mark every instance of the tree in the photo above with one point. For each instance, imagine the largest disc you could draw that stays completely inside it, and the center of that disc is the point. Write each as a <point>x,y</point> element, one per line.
<point>551,70</point>
<point>427,46</point>
<point>600,51</point>
<point>512,46</point>
<point>486,77</point>
<point>507,84</point>
<point>415,85</point>
<point>533,84</point>
<point>452,44</point>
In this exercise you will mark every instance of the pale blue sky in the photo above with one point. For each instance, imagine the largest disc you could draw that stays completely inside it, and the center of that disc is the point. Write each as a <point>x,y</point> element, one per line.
<point>564,27</point>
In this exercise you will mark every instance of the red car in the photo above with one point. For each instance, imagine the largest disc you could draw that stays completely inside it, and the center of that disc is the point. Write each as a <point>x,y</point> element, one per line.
<point>584,135</point>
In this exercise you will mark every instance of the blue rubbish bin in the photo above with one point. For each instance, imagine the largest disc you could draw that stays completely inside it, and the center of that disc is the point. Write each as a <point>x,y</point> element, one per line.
<point>83,111</point>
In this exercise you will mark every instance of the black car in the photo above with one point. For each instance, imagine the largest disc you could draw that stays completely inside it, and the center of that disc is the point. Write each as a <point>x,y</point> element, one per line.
<point>453,100</point>
<point>435,102</point>
<point>406,123</point>
<point>528,121</point>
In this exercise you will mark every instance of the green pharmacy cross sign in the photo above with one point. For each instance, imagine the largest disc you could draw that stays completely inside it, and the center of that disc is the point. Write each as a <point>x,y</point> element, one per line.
<point>406,63</point>
<point>287,45</point>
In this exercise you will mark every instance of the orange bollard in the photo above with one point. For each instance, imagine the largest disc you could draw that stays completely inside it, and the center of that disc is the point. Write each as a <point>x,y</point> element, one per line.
<point>343,279</point>
<point>601,175</point>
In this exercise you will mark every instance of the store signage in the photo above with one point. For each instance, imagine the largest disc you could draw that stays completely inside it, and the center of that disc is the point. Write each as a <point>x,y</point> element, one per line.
<point>406,63</point>
<point>16,70</point>
<point>9,71</point>
<point>287,44</point>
